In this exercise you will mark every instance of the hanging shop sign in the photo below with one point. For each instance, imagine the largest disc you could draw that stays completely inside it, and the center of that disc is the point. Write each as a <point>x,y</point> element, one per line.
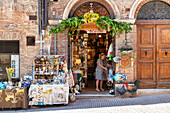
<point>96,31</point>
<point>125,61</point>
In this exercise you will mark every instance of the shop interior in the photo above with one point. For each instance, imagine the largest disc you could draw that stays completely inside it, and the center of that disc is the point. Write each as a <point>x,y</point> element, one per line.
<point>5,61</point>
<point>9,57</point>
<point>97,43</point>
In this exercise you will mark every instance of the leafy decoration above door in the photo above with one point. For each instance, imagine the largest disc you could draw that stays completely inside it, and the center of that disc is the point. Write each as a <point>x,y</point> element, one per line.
<point>102,22</point>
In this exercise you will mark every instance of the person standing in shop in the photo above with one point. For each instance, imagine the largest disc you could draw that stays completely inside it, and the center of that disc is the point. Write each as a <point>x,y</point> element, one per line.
<point>96,58</point>
<point>101,67</point>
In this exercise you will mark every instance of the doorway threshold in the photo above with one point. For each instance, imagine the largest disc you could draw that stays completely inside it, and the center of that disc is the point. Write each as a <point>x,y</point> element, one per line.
<point>145,92</point>
<point>95,96</point>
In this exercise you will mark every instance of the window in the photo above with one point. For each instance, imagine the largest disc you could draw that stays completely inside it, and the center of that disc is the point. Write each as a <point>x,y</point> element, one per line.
<point>30,40</point>
<point>32,17</point>
<point>9,61</point>
<point>9,47</point>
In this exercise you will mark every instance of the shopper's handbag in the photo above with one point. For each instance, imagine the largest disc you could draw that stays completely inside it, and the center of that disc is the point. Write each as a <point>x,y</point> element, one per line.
<point>105,74</point>
<point>72,96</point>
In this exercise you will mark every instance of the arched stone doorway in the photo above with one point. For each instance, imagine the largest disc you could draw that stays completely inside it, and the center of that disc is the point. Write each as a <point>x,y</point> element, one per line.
<point>97,43</point>
<point>153,45</point>
<point>86,7</point>
<point>73,4</point>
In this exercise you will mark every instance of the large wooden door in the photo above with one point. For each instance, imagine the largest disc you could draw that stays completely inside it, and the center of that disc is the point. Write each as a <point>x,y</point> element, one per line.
<point>146,56</point>
<point>153,56</point>
<point>163,58</point>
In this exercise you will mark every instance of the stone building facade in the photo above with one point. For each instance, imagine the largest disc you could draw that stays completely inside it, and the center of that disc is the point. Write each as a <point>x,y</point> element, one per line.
<point>15,25</point>
<point>126,10</point>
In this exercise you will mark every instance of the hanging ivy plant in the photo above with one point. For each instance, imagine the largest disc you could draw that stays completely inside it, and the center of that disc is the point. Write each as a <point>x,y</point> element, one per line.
<point>113,26</point>
<point>70,23</point>
<point>107,23</point>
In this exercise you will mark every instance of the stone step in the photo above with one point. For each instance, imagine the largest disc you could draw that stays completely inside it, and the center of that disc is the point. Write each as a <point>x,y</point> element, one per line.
<point>140,92</point>
<point>94,96</point>
<point>144,92</point>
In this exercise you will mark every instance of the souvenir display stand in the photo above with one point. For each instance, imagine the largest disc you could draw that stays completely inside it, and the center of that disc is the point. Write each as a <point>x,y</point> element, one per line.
<point>79,60</point>
<point>13,94</point>
<point>78,78</point>
<point>50,81</point>
<point>13,98</point>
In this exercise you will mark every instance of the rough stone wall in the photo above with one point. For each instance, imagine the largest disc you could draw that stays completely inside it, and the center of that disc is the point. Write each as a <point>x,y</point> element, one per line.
<point>15,25</point>
<point>58,7</point>
<point>124,7</point>
<point>61,38</point>
<point>131,41</point>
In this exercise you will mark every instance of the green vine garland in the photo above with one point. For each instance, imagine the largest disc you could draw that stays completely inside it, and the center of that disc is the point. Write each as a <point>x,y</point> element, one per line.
<point>74,23</point>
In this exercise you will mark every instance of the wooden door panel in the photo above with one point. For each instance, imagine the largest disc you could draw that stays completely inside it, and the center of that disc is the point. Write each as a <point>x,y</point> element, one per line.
<point>163,57</point>
<point>164,53</point>
<point>163,85</point>
<point>146,55</point>
<point>146,71</point>
<point>164,69</point>
<point>147,85</point>
<point>164,37</point>
<point>146,36</point>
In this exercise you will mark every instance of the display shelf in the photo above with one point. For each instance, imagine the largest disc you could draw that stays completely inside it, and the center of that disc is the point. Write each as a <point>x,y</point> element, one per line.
<point>50,80</point>
<point>49,65</point>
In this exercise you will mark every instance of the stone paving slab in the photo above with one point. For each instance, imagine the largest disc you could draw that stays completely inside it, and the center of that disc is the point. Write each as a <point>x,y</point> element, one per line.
<point>105,102</point>
<point>153,108</point>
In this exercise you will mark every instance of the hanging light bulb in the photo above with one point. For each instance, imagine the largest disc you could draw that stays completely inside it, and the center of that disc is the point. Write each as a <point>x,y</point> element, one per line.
<point>100,36</point>
<point>91,11</point>
<point>91,8</point>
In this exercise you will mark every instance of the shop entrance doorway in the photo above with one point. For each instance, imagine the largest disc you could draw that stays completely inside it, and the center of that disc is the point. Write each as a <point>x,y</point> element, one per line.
<point>84,52</point>
<point>96,44</point>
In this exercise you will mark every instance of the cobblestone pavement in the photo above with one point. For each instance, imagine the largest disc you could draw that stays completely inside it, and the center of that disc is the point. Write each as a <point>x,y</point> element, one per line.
<point>105,102</point>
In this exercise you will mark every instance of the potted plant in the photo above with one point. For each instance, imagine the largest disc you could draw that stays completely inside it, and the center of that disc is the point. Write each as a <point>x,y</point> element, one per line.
<point>9,73</point>
<point>125,49</point>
